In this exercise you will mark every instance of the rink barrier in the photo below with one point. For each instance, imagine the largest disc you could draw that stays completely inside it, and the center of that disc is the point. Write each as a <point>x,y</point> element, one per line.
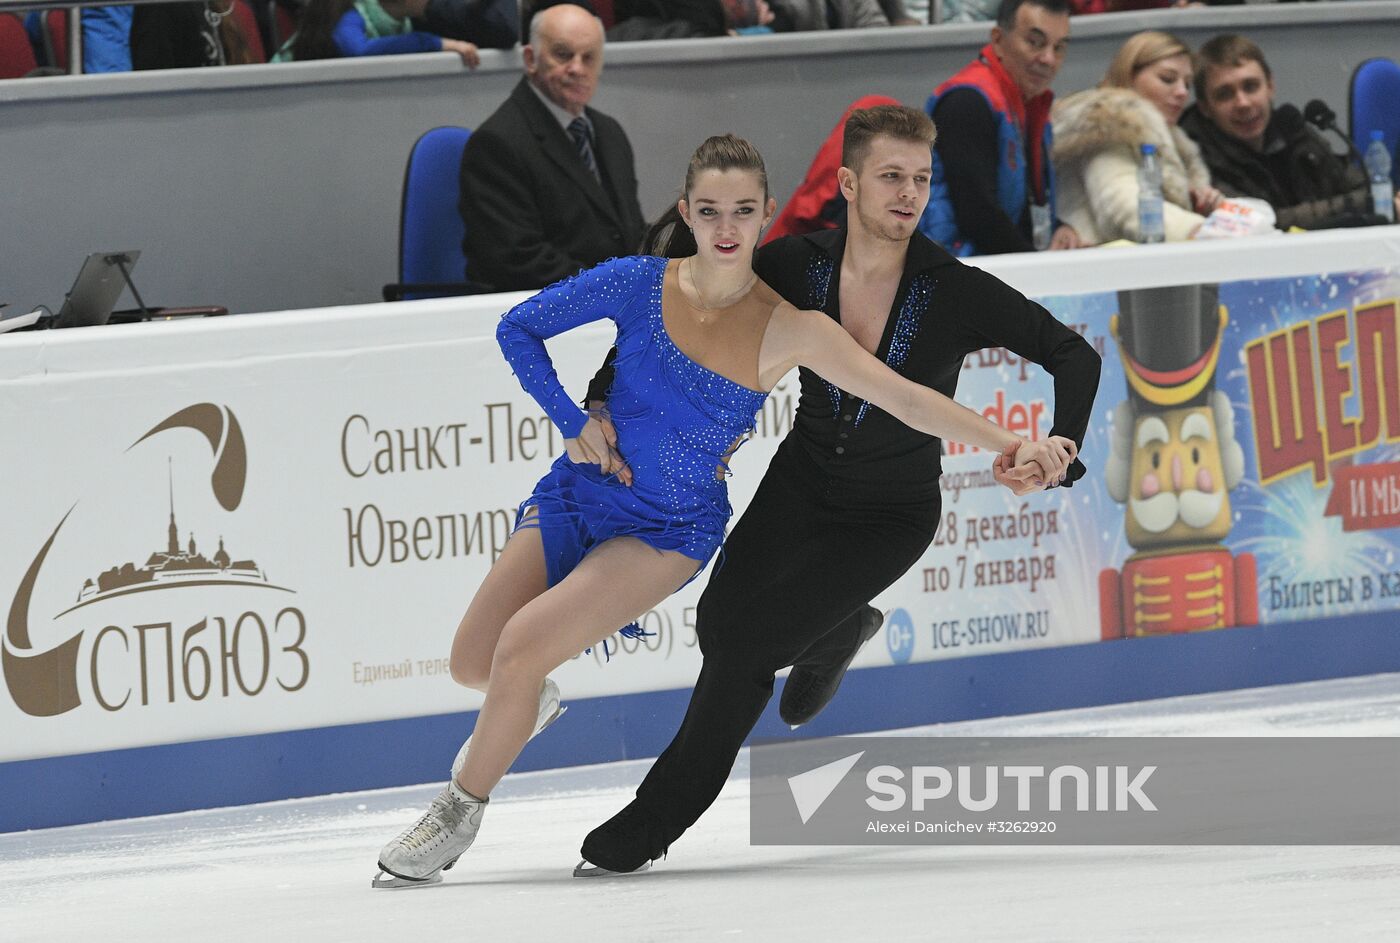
<point>70,790</point>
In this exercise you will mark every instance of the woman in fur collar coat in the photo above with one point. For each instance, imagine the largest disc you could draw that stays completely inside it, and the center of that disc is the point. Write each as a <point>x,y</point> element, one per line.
<point>1099,135</point>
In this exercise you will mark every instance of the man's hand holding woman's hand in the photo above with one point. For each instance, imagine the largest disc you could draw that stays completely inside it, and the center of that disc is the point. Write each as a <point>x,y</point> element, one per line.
<point>597,445</point>
<point>1026,467</point>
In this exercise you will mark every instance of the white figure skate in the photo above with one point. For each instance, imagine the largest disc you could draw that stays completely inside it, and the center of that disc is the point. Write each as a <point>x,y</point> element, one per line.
<point>550,711</point>
<point>418,857</point>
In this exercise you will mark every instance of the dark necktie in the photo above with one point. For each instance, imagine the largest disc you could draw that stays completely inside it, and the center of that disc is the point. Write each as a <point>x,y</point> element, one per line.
<point>582,133</point>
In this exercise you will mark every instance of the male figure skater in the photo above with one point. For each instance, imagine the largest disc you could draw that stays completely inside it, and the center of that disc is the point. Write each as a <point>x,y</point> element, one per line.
<point>851,499</point>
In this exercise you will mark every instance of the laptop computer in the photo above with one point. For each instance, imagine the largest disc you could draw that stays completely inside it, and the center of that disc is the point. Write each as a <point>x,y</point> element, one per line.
<point>94,295</point>
<point>95,291</point>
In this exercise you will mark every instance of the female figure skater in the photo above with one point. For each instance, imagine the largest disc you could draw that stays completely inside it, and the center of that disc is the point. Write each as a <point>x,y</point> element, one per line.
<point>701,341</point>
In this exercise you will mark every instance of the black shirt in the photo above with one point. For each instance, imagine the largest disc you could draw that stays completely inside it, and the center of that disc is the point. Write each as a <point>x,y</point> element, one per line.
<point>942,311</point>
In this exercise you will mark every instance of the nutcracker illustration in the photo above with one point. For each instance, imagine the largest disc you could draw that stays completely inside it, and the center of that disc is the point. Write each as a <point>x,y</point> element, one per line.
<point>1174,460</point>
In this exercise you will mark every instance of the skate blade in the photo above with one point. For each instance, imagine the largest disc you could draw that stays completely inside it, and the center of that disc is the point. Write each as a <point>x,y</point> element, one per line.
<point>585,870</point>
<point>552,718</point>
<point>386,881</point>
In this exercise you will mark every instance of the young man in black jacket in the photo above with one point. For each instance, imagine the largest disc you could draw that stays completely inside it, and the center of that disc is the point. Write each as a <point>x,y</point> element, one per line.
<point>1256,150</point>
<point>851,499</point>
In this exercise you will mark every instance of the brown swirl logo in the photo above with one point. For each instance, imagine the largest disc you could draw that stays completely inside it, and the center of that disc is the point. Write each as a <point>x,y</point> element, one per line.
<point>45,683</point>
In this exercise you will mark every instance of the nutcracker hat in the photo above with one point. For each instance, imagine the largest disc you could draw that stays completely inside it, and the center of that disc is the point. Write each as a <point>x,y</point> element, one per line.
<point>1169,340</point>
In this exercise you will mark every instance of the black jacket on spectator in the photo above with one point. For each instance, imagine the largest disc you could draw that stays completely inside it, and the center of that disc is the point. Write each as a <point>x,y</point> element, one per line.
<point>491,24</point>
<point>1297,174</point>
<point>667,19</point>
<point>174,36</point>
<point>534,213</point>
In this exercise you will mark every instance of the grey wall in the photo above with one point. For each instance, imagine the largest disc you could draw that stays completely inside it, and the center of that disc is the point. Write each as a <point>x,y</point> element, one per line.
<point>271,187</point>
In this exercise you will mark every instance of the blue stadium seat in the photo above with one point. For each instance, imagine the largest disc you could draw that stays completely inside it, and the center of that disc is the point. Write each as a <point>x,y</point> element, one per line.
<point>1375,106</point>
<point>431,263</point>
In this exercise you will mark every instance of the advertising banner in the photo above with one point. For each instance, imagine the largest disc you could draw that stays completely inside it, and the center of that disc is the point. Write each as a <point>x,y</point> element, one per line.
<point>276,541</point>
<point>277,524</point>
<point>1242,470</point>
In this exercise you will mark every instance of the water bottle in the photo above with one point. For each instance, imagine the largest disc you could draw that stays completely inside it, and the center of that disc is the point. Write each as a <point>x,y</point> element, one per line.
<point>1150,224</point>
<point>1378,169</point>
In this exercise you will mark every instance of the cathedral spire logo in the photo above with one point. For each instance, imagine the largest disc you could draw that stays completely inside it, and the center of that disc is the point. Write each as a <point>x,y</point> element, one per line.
<point>172,567</point>
<point>44,682</point>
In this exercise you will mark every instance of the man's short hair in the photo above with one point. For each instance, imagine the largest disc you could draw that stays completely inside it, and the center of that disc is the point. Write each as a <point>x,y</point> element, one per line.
<point>1006,12</point>
<point>1226,52</point>
<point>898,121</point>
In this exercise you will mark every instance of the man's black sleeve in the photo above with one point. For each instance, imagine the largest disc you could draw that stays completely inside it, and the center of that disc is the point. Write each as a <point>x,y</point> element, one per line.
<point>602,380</point>
<point>967,146</point>
<point>782,264</point>
<point>1005,318</point>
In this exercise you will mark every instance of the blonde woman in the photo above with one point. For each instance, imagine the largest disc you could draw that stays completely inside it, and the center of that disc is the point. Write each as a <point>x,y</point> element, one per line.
<point>1099,135</point>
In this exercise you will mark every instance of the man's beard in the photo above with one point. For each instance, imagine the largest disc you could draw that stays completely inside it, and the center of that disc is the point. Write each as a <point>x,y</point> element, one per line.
<point>882,228</point>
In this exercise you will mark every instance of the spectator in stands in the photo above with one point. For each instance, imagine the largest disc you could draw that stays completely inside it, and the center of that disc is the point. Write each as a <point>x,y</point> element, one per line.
<point>331,29</point>
<point>1254,149</point>
<point>682,19</point>
<point>971,11</point>
<point>968,11</point>
<point>106,37</point>
<point>676,19</point>
<point>898,12</point>
<point>335,28</point>
<point>993,189</point>
<point>913,12</point>
<point>186,36</point>
<point>1099,135</point>
<point>487,24</point>
<point>548,183</point>
<point>794,16</point>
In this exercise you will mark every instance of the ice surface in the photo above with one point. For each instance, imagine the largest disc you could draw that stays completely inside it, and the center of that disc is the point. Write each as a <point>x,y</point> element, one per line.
<point>300,870</point>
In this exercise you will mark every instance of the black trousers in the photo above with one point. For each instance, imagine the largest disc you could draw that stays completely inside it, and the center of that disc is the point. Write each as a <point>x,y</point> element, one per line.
<point>796,571</point>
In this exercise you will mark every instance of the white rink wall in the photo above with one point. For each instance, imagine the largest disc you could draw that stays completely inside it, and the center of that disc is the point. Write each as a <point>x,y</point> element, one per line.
<point>359,467</point>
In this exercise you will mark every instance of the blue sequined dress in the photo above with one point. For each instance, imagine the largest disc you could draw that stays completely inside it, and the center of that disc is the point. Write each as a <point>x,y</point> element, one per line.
<point>676,421</point>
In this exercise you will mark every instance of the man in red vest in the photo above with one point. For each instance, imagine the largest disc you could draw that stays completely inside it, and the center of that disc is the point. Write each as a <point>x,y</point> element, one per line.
<point>992,188</point>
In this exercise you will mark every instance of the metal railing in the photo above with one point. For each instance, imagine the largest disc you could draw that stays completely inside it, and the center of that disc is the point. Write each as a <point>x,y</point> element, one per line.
<point>73,15</point>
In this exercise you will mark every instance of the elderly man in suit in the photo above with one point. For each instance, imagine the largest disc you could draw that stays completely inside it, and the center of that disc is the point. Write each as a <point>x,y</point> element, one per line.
<point>548,184</point>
